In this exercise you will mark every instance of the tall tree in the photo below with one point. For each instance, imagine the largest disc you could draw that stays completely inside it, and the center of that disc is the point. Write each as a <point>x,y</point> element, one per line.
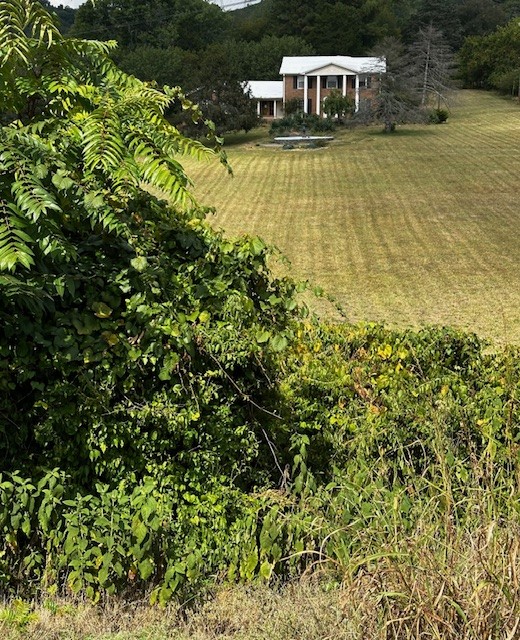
<point>164,65</point>
<point>332,27</point>
<point>492,61</point>
<point>397,99</point>
<point>189,24</point>
<point>443,16</point>
<point>433,64</point>
<point>480,17</point>
<point>217,86</point>
<point>261,60</point>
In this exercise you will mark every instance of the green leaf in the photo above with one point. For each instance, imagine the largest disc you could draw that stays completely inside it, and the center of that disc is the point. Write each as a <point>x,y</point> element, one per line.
<point>266,569</point>
<point>139,264</point>
<point>139,530</point>
<point>146,569</point>
<point>204,316</point>
<point>101,310</point>
<point>263,336</point>
<point>278,342</point>
<point>257,246</point>
<point>251,564</point>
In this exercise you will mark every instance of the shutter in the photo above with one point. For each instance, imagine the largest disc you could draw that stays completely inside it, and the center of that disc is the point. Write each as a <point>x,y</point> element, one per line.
<point>324,82</point>
<point>295,82</point>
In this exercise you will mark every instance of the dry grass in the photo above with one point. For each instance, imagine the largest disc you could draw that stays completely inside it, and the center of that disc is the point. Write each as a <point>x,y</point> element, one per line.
<point>465,588</point>
<point>420,227</point>
<point>303,612</point>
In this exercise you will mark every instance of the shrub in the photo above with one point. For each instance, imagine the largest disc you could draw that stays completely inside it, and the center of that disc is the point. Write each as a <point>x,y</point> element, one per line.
<point>128,323</point>
<point>438,116</point>
<point>301,123</point>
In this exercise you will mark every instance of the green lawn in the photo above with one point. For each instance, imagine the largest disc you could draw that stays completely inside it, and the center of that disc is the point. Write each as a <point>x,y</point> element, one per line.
<point>418,227</point>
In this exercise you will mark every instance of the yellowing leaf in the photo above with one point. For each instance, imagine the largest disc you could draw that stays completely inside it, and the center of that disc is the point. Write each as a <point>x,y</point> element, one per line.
<point>101,310</point>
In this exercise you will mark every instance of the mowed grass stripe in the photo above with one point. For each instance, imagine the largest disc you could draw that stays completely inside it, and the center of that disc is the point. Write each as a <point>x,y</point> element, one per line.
<point>413,228</point>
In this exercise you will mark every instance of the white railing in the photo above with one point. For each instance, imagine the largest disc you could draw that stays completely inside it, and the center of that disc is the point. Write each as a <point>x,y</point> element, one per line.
<point>231,5</point>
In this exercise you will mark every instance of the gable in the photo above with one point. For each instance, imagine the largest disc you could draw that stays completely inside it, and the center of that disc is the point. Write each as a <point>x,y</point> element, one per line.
<point>331,70</point>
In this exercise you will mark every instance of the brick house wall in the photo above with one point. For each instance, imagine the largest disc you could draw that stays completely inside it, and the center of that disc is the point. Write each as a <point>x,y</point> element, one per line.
<point>293,88</point>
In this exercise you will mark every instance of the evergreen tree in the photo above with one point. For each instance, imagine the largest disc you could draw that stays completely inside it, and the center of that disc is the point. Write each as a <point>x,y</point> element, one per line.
<point>397,99</point>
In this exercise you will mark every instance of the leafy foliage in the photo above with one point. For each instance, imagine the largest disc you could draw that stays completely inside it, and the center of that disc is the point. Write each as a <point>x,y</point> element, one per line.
<point>378,396</point>
<point>338,105</point>
<point>119,538</point>
<point>166,415</point>
<point>190,24</point>
<point>492,61</point>
<point>81,138</point>
<point>166,293</point>
<point>136,342</point>
<point>302,123</point>
<point>226,102</point>
<point>381,432</point>
<point>125,322</point>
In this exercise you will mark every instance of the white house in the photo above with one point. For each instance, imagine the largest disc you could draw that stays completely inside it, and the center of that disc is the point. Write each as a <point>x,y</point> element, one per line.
<point>310,79</point>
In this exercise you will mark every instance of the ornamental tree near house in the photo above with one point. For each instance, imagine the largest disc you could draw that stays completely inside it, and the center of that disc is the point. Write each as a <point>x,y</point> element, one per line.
<point>336,105</point>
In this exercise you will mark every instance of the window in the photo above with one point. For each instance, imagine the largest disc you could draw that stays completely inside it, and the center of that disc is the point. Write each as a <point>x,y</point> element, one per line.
<point>332,82</point>
<point>365,82</point>
<point>298,82</point>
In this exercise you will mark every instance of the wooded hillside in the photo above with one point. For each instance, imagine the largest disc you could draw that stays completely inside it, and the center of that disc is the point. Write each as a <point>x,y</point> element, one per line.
<point>292,27</point>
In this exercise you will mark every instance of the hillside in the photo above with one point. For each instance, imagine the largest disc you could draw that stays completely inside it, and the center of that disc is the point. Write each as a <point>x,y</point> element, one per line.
<point>177,431</point>
<point>414,228</point>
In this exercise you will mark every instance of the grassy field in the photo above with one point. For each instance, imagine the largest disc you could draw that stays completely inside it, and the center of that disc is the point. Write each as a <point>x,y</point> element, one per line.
<point>419,227</point>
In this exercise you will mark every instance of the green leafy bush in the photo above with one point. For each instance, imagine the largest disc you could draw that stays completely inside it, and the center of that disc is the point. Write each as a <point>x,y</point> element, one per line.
<point>438,116</point>
<point>301,123</point>
<point>166,416</point>
<point>369,396</point>
<point>135,337</point>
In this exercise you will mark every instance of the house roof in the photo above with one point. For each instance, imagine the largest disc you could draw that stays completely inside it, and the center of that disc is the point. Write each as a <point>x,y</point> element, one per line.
<point>266,89</point>
<point>303,65</point>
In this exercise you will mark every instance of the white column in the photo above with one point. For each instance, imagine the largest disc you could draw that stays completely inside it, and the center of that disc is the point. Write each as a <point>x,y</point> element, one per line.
<point>357,93</point>
<point>275,115</point>
<point>344,86</point>
<point>305,93</point>
<point>258,108</point>
<point>318,94</point>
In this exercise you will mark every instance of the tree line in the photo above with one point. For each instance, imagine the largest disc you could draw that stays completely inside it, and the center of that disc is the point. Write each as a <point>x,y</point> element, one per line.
<point>210,53</point>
